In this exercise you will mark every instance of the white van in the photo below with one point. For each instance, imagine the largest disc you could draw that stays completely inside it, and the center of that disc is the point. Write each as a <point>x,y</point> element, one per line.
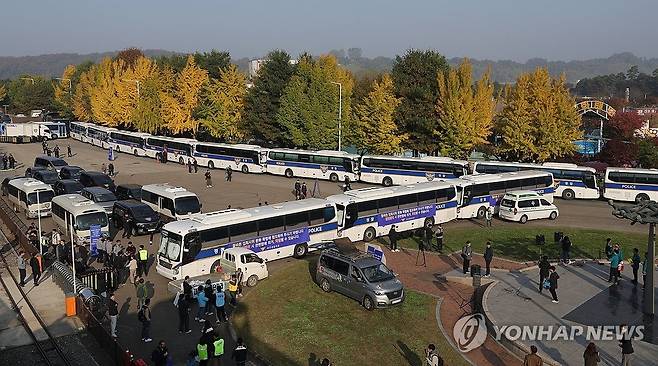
<point>253,267</point>
<point>30,196</point>
<point>170,201</point>
<point>74,212</point>
<point>522,206</point>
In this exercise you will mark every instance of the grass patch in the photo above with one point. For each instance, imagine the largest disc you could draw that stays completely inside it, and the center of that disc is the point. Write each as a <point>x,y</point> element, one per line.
<point>518,243</point>
<point>289,320</point>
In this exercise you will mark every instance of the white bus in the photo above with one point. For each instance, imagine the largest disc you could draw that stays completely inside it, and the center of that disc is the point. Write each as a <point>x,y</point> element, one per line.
<point>479,191</point>
<point>171,202</point>
<point>572,181</point>
<point>194,247</point>
<point>392,170</point>
<point>57,129</point>
<point>30,196</point>
<point>98,135</point>
<point>367,213</point>
<point>323,164</point>
<point>630,184</point>
<point>74,212</point>
<point>178,149</point>
<point>78,130</point>
<point>128,142</point>
<point>245,158</point>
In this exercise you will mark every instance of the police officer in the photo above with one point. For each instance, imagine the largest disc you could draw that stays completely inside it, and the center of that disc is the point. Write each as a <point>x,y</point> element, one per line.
<point>202,352</point>
<point>142,260</point>
<point>218,349</point>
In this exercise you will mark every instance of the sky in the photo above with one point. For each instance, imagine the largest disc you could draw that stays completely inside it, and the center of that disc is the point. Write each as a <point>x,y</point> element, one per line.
<point>504,29</point>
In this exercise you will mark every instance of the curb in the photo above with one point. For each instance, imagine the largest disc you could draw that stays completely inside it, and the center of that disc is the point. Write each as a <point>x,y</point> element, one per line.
<point>439,301</point>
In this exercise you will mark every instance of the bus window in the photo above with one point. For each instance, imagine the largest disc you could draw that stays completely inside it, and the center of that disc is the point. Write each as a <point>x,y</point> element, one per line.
<point>351,215</point>
<point>271,225</point>
<point>426,198</point>
<point>407,201</point>
<point>296,220</point>
<point>244,230</point>
<point>590,181</point>
<point>388,204</point>
<point>367,208</point>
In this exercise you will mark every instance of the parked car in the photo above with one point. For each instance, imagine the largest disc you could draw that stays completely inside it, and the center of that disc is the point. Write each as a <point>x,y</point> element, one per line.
<point>522,206</point>
<point>359,276</point>
<point>29,172</point>
<point>144,219</point>
<point>50,162</point>
<point>70,172</point>
<point>96,179</point>
<point>5,183</point>
<point>67,186</point>
<point>128,191</point>
<point>101,196</point>
<point>253,266</point>
<point>21,115</point>
<point>46,176</point>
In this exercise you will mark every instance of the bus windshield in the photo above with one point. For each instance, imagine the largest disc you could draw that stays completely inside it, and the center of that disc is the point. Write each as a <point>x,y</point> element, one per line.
<point>45,196</point>
<point>170,246</point>
<point>85,221</point>
<point>378,273</point>
<point>187,205</point>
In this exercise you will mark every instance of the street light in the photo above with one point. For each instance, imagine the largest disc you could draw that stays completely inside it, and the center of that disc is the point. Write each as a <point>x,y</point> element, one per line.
<point>69,80</point>
<point>31,79</point>
<point>340,112</point>
<point>134,81</point>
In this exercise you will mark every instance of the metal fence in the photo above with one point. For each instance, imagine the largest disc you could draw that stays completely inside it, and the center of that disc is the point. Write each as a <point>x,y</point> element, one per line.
<point>116,352</point>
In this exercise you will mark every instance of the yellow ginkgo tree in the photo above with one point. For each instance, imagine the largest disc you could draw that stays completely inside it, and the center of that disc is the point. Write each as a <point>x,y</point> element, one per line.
<point>180,104</point>
<point>222,105</point>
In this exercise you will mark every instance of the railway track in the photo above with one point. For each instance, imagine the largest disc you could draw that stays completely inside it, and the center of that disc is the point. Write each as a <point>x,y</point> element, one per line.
<point>50,352</point>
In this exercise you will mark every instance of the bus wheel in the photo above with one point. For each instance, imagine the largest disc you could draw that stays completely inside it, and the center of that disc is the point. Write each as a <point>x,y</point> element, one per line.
<point>325,286</point>
<point>300,250</point>
<point>481,212</point>
<point>211,165</point>
<point>245,169</point>
<point>252,281</point>
<point>369,234</point>
<point>158,156</point>
<point>181,161</point>
<point>568,194</point>
<point>523,219</point>
<point>387,181</point>
<point>214,267</point>
<point>333,177</point>
<point>429,222</point>
<point>288,173</point>
<point>641,197</point>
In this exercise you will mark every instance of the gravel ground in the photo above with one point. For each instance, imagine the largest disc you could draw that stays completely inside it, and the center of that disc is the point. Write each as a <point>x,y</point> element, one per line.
<point>81,350</point>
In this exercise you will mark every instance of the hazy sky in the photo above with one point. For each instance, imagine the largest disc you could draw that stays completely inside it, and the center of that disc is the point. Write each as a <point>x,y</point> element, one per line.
<point>503,29</point>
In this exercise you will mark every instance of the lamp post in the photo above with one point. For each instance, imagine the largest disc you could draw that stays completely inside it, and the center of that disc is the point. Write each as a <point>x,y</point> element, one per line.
<point>75,279</point>
<point>136,82</point>
<point>69,80</point>
<point>340,112</point>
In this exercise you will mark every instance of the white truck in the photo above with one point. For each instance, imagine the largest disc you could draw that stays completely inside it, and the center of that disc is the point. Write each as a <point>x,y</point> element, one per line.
<point>32,130</point>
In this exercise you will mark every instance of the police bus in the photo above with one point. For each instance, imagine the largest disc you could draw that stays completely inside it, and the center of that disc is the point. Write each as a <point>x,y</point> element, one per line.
<point>128,142</point>
<point>630,184</point>
<point>194,246</point>
<point>390,170</point>
<point>572,181</point>
<point>30,196</point>
<point>178,149</point>
<point>97,135</point>
<point>246,158</point>
<point>323,164</point>
<point>76,213</point>
<point>480,191</point>
<point>78,130</point>
<point>171,202</point>
<point>367,213</point>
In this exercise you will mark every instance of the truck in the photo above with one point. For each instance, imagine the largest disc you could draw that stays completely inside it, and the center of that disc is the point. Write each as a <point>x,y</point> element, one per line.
<point>18,132</point>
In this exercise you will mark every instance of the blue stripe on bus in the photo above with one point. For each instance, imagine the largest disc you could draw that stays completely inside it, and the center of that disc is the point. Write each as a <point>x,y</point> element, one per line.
<point>413,173</point>
<point>571,183</point>
<point>336,168</point>
<point>271,241</point>
<point>640,187</point>
<point>224,157</point>
<point>375,218</point>
<point>493,202</point>
<point>160,149</point>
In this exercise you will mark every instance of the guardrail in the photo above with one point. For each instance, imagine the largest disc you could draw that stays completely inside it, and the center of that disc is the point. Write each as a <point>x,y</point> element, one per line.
<point>117,353</point>
<point>16,226</point>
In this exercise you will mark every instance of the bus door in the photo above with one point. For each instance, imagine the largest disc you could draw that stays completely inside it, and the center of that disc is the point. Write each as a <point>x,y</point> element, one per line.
<point>590,181</point>
<point>350,216</point>
<point>466,194</point>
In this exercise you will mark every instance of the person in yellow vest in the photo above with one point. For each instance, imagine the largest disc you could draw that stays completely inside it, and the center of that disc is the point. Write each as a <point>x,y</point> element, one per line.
<point>218,350</point>
<point>142,260</point>
<point>233,289</point>
<point>202,353</point>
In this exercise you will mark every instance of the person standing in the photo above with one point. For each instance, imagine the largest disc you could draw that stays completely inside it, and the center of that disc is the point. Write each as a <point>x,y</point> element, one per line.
<point>189,166</point>
<point>132,268</point>
<point>552,278</point>
<point>12,161</point>
<point>467,255</point>
<point>201,300</point>
<point>210,295</point>
<point>566,249</point>
<point>428,234</point>
<point>239,278</point>
<point>113,312</point>
<point>544,271</point>
<point>229,173</point>
<point>55,237</point>
<point>160,354</point>
<point>614,266</point>
<point>144,316</point>
<point>69,153</point>
<point>187,288</point>
<point>304,190</point>
<point>298,189</point>
<point>142,261</point>
<point>488,215</point>
<point>140,291</point>
<point>36,269</point>
<point>195,165</point>
<point>591,355</point>
<point>432,357</point>
<point>103,168</point>
<point>393,237</point>
<point>635,264</point>
<point>488,257</point>
<point>183,314</point>
<point>626,345</point>
<point>21,268</point>
<point>532,359</point>
<point>202,352</point>
<point>240,353</point>
<point>217,349</point>
<point>110,169</point>
<point>208,177</point>
<point>438,233</point>
<point>233,290</point>
<point>220,301</point>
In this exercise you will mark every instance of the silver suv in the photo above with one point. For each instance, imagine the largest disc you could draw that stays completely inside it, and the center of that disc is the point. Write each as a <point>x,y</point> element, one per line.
<point>359,276</point>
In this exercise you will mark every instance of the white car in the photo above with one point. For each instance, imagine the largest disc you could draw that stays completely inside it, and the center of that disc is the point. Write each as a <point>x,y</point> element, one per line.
<point>20,115</point>
<point>522,206</point>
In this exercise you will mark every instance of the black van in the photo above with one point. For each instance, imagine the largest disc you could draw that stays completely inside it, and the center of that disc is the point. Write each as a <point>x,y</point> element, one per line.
<point>129,191</point>
<point>96,179</point>
<point>70,172</point>
<point>144,220</point>
<point>50,162</point>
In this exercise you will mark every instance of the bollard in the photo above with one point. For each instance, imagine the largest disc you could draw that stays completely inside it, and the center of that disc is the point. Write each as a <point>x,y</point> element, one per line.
<point>69,301</point>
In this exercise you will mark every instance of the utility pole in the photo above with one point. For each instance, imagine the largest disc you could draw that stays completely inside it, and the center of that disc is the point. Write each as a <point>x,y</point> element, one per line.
<point>340,113</point>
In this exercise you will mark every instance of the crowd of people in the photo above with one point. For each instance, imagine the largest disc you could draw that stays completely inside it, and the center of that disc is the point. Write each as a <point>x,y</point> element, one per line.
<point>8,161</point>
<point>55,151</point>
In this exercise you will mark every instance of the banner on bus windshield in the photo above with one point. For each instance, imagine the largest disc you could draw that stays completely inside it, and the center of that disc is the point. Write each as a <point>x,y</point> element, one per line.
<point>274,241</point>
<point>406,214</point>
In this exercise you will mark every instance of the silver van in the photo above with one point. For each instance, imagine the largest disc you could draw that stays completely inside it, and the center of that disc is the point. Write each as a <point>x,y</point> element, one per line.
<point>359,276</point>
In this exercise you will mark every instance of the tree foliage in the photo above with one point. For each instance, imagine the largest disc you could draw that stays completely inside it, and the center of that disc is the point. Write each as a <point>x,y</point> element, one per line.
<point>465,111</point>
<point>414,76</point>
<point>129,56</point>
<point>180,105</point>
<point>223,104</point>
<point>377,132</point>
<point>622,125</point>
<point>214,62</point>
<point>620,153</point>
<point>3,92</point>
<point>538,121</point>
<point>30,92</point>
